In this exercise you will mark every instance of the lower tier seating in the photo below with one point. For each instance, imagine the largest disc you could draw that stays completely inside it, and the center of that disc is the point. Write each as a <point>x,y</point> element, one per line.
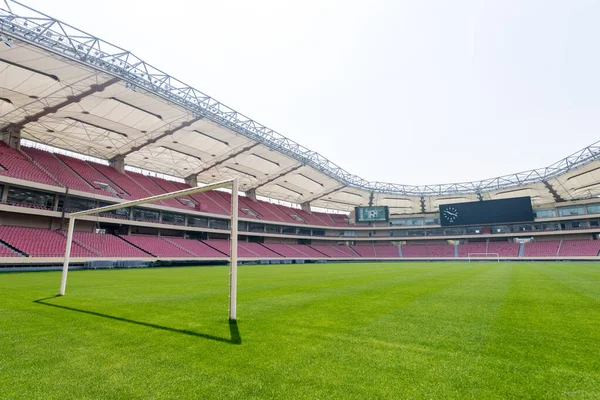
<point>35,242</point>
<point>6,252</point>
<point>18,241</point>
<point>157,246</point>
<point>107,245</point>
<point>579,248</point>
<point>541,249</point>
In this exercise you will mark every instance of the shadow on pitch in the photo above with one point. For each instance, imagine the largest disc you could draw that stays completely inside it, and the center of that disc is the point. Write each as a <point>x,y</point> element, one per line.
<point>233,327</point>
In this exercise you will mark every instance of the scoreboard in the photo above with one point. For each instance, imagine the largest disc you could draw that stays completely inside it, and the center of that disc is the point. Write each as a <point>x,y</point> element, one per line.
<point>372,214</point>
<point>517,209</point>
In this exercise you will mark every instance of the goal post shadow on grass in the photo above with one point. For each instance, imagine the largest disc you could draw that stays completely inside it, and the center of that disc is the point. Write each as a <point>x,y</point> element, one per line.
<point>233,238</point>
<point>234,332</point>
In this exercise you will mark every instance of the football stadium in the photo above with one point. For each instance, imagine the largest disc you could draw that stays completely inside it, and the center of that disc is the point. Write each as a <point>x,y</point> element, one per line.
<point>209,256</point>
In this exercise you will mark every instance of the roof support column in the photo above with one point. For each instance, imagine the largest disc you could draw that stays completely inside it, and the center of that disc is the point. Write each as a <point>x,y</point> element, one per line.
<point>192,180</point>
<point>12,137</point>
<point>4,194</point>
<point>251,194</point>
<point>306,206</point>
<point>118,163</point>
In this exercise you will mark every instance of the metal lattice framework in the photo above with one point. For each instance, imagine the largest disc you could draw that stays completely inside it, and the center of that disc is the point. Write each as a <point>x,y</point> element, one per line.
<point>20,22</point>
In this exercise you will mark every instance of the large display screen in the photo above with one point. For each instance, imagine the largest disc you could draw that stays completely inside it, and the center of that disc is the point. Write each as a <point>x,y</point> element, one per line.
<point>517,209</point>
<point>372,214</point>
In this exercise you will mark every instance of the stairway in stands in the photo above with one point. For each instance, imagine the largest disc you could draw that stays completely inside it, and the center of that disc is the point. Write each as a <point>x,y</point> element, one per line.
<point>521,249</point>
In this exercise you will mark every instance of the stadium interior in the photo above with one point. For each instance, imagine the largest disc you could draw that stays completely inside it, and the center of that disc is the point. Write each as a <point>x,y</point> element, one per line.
<point>86,124</point>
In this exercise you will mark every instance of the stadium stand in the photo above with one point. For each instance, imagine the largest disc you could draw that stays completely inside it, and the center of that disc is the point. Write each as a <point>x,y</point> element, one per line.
<point>195,247</point>
<point>387,251</point>
<point>286,250</point>
<point>440,250</point>
<point>416,250</point>
<point>428,250</point>
<point>32,179</point>
<point>541,249</point>
<point>335,251</point>
<point>91,176</point>
<point>7,252</point>
<point>59,171</point>
<point>35,242</point>
<point>504,249</point>
<point>258,250</point>
<point>131,190</point>
<point>579,248</point>
<point>157,246</point>
<point>153,188</point>
<point>15,164</point>
<point>106,245</point>
<point>464,249</point>
<point>366,251</point>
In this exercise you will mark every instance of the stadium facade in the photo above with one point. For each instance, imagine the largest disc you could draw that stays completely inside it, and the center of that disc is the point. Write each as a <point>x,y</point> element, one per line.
<point>85,123</point>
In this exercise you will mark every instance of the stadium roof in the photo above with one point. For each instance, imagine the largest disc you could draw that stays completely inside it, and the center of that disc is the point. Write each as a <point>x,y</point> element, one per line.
<point>62,87</point>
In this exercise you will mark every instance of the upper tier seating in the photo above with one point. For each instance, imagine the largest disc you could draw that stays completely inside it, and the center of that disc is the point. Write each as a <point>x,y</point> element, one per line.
<point>263,212</point>
<point>504,249</point>
<point>579,248</point>
<point>154,189</point>
<point>90,175</point>
<point>106,245</point>
<point>131,189</point>
<point>157,246</point>
<point>169,186</point>
<point>58,170</point>
<point>339,219</point>
<point>541,249</point>
<point>61,170</point>
<point>204,202</point>
<point>36,242</point>
<point>16,165</point>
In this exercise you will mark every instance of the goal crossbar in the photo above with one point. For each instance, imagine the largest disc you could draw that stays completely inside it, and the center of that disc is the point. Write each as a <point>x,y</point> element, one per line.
<point>480,256</point>
<point>230,183</point>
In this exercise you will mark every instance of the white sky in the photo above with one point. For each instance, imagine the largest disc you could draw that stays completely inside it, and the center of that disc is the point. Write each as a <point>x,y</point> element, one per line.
<point>414,92</point>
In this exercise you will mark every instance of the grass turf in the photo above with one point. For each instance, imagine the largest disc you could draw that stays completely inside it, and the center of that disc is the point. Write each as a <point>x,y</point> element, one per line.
<point>408,330</point>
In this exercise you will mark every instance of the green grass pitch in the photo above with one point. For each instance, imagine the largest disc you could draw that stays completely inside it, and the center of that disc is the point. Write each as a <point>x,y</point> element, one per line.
<point>328,331</point>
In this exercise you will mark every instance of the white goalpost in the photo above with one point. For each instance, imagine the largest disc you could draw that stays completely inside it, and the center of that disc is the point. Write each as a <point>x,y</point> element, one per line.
<point>230,183</point>
<point>481,256</point>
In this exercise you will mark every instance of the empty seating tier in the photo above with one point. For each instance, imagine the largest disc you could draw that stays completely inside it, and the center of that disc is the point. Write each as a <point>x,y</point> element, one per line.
<point>504,249</point>
<point>196,247</point>
<point>14,164</point>
<point>579,248</point>
<point>36,242</point>
<point>107,245</point>
<point>367,251</point>
<point>541,249</point>
<point>157,246</point>
<point>58,170</point>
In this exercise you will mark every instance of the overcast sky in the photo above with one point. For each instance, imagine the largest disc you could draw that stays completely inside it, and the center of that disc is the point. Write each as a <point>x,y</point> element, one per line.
<point>415,92</point>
